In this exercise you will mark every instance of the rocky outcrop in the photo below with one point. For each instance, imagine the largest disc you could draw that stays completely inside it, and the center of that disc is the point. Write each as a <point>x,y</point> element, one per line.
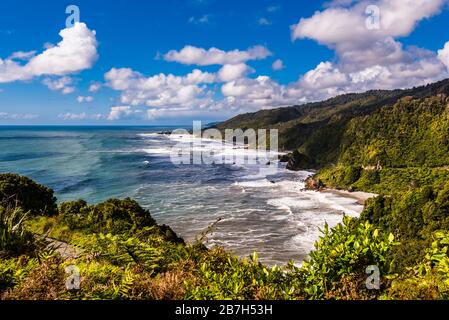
<point>312,183</point>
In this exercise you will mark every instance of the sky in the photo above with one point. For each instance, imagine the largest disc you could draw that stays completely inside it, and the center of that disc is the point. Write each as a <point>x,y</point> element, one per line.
<point>171,62</point>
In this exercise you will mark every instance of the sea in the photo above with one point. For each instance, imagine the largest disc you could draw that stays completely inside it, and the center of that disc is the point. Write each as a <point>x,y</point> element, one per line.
<point>245,207</point>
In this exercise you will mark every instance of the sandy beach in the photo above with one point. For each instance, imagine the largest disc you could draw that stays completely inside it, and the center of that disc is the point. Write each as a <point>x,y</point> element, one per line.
<point>360,196</point>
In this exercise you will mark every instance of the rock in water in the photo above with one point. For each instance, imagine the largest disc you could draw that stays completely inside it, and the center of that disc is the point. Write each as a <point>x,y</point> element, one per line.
<point>313,183</point>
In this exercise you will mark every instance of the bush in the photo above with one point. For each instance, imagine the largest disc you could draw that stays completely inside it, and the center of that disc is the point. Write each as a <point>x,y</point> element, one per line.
<point>75,214</point>
<point>112,216</point>
<point>430,278</point>
<point>14,238</point>
<point>352,174</point>
<point>341,257</point>
<point>18,191</point>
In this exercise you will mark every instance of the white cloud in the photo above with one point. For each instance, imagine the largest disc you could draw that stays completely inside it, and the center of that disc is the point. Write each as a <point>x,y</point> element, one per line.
<point>191,55</point>
<point>95,86</point>
<point>278,65</point>
<point>17,116</point>
<point>365,59</point>
<point>230,72</point>
<point>369,59</point>
<point>76,51</point>
<point>264,22</point>
<point>22,55</point>
<point>79,116</point>
<point>63,84</point>
<point>254,94</point>
<point>443,55</point>
<point>159,90</point>
<point>82,99</point>
<point>124,113</point>
<point>204,19</point>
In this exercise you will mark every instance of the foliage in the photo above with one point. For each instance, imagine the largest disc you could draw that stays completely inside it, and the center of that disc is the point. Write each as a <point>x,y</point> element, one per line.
<point>14,238</point>
<point>430,278</point>
<point>15,270</point>
<point>114,215</point>
<point>346,251</point>
<point>412,133</point>
<point>220,275</point>
<point>18,191</point>
<point>150,252</point>
<point>387,181</point>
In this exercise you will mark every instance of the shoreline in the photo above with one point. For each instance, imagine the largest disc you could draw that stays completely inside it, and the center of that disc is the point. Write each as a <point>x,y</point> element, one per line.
<point>360,196</point>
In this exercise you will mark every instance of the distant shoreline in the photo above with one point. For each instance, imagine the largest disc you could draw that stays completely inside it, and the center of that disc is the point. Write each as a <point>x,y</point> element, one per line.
<point>360,196</point>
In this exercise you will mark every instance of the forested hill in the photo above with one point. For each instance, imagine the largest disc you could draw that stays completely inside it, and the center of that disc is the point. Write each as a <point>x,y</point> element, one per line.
<point>328,131</point>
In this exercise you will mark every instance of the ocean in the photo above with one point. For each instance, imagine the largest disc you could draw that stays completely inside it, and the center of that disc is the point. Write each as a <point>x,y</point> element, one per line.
<point>262,210</point>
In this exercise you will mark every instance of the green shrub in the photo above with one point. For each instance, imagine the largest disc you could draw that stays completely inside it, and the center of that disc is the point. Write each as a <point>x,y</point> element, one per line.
<point>75,214</point>
<point>14,271</point>
<point>342,253</point>
<point>430,278</point>
<point>14,237</point>
<point>220,276</point>
<point>351,175</point>
<point>112,216</point>
<point>18,191</point>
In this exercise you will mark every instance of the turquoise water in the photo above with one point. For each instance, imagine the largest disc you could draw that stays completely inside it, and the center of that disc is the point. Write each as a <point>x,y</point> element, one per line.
<point>261,211</point>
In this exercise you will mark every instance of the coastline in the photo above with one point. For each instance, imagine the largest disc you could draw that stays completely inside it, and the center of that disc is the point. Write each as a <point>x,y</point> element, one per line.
<point>360,196</point>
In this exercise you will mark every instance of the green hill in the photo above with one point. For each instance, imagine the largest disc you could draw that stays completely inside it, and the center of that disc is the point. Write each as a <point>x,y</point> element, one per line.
<point>324,131</point>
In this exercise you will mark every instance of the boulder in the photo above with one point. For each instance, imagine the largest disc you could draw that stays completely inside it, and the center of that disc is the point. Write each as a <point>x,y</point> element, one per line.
<point>313,183</point>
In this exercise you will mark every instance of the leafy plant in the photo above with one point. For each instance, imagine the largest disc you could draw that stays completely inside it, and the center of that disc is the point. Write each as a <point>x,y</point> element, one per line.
<point>14,237</point>
<point>19,191</point>
<point>345,251</point>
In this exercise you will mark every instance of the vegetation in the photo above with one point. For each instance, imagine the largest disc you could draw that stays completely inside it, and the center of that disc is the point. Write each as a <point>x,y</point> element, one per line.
<point>26,194</point>
<point>123,254</point>
<point>393,143</point>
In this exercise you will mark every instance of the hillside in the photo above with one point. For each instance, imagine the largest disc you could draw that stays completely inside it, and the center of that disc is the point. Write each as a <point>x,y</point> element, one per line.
<point>318,130</point>
<point>392,143</point>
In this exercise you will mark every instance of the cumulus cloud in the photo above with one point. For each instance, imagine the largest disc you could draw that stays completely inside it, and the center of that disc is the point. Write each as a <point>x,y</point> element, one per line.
<point>125,113</point>
<point>365,59</point>
<point>369,58</point>
<point>63,84</point>
<point>160,90</point>
<point>191,55</point>
<point>76,51</point>
<point>443,55</point>
<point>230,72</point>
<point>278,65</point>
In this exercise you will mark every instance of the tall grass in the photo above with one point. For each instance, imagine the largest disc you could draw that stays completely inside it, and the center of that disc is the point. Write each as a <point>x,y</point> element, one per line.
<point>14,238</point>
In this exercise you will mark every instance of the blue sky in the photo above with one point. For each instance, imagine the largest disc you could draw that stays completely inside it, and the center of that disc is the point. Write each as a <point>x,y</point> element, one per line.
<point>132,53</point>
